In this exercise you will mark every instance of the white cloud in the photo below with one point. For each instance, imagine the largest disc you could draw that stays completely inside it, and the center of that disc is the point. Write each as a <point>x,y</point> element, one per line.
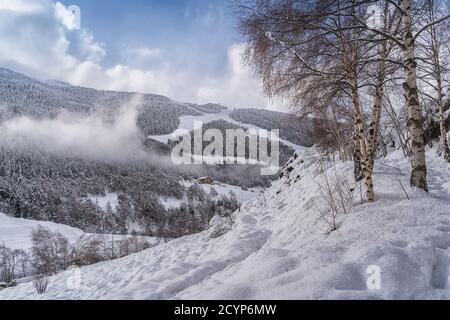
<point>34,38</point>
<point>22,6</point>
<point>90,49</point>
<point>238,87</point>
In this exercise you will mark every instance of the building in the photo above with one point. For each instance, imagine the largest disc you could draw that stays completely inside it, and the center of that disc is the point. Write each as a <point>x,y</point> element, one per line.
<point>205,180</point>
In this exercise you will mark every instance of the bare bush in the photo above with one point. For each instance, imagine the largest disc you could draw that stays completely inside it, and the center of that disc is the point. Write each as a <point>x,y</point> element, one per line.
<point>40,283</point>
<point>132,245</point>
<point>23,263</point>
<point>336,197</point>
<point>7,265</point>
<point>87,251</point>
<point>51,251</point>
<point>14,264</point>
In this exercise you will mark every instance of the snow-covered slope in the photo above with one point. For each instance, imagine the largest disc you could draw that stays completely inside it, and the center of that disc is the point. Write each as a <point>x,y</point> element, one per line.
<point>277,249</point>
<point>15,233</point>
<point>221,189</point>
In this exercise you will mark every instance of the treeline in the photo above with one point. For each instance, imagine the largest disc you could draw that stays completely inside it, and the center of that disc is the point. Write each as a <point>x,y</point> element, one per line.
<point>208,108</point>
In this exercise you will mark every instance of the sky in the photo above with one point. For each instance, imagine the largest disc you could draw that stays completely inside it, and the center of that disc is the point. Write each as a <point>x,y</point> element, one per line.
<point>188,50</point>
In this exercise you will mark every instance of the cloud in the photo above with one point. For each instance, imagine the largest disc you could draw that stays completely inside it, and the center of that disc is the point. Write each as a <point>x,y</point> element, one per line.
<point>238,87</point>
<point>86,136</point>
<point>22,6</point>
<point>90,49</point>
<point>34,39</point>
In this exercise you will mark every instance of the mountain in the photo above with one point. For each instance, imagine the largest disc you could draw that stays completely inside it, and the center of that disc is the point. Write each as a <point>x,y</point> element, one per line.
<point>23,96</point>
<point>158,115</point>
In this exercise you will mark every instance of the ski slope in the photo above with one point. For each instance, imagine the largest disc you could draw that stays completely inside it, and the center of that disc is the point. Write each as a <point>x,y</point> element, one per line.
<point>279,249</point>
<point>188,123</point>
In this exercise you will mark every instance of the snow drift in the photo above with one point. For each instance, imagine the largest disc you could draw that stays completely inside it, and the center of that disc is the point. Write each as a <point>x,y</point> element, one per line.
<point>278,248</point>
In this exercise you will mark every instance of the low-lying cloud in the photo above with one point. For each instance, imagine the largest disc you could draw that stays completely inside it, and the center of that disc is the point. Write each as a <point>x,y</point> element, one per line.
<point>87,136</point>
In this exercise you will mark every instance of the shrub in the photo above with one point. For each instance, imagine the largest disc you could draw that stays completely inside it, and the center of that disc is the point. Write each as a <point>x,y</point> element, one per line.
<point>40,283</point>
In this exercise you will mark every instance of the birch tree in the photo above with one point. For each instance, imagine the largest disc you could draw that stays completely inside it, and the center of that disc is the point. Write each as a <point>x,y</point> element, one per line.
<point>317,52</point>
<point>410,13</point>
<point>434,48</point>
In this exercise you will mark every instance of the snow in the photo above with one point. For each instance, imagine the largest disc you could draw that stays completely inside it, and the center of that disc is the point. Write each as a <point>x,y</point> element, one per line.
<point>15,233</point>
<point>222,189</point>
<point>278,248</point>
<point>171,202</point>
<point>102,201</point>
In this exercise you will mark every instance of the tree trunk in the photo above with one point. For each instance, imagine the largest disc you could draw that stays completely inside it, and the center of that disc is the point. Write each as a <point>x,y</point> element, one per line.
<point>357,155</point>
<point>440,93</point>
<point>361,137</point>
<point>351,69</point>
<point>374,128</point>
<point>442,127</point>
<point>415,117</point>
<point>444,138</point>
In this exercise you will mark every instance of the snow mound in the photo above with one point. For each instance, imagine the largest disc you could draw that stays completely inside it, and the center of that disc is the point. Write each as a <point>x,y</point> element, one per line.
<point>279,249</point>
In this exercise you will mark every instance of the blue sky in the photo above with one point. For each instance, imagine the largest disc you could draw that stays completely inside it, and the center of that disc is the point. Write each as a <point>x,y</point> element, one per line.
<point>188,50</point>
<point>181,29</point>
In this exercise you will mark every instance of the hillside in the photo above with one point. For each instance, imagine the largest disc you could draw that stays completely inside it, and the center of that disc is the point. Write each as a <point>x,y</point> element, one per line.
<point>158,115</point>
<point>61,146</point>
<point>279,248</point>
<point>24,96</point>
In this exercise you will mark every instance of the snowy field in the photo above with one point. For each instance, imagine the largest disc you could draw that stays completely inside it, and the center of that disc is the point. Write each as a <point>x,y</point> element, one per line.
<point>15,233</point>
<point>278,248</point>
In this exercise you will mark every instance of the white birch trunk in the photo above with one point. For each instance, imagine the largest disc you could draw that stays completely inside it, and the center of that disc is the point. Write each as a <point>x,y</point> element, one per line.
<point>415,117</point>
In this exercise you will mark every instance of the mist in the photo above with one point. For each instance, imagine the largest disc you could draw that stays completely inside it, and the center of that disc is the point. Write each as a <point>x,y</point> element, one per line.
<point>92,136</point>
